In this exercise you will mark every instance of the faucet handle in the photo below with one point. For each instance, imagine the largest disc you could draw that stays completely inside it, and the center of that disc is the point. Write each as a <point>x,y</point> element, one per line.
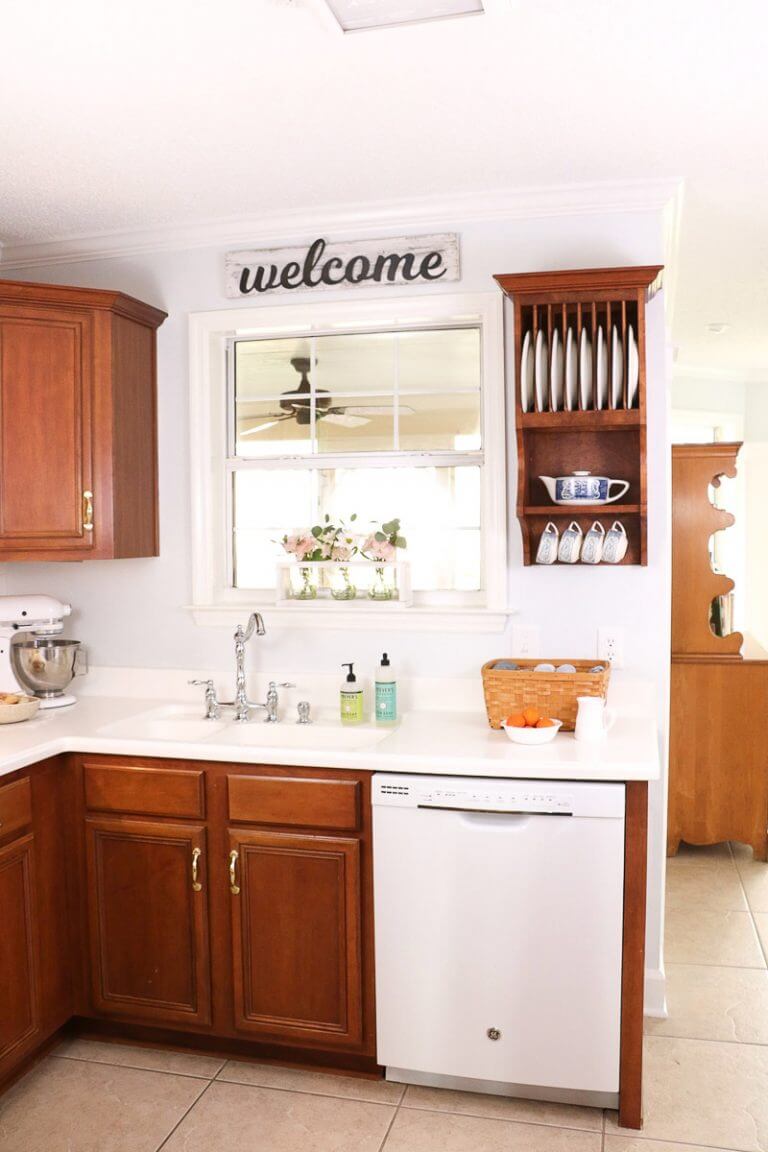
<point>287,684</point>
<point>200,683</point>
<point>303,710</point>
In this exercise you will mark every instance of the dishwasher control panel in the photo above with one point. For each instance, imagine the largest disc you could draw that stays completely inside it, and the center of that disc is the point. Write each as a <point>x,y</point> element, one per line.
<point>548,797</point>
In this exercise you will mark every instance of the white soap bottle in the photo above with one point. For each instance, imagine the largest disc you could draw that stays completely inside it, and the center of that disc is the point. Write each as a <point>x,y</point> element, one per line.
<point>385,693</point>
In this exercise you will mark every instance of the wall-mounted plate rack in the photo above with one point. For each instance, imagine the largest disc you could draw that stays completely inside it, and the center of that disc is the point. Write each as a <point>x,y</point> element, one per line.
<point>594,420</point>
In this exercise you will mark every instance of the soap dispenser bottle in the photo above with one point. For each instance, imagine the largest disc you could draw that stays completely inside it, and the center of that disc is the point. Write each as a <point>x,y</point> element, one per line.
<point>351,698</point>
<point>386,693</point>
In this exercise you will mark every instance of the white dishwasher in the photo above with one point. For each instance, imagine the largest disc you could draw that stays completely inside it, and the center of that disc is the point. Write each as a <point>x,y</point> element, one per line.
<point>498,912</point>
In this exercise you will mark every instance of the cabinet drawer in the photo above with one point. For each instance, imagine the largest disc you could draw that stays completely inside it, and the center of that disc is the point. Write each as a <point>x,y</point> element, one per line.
<point>299,803</point>
<point>145,791</point>
<point>15,807</point>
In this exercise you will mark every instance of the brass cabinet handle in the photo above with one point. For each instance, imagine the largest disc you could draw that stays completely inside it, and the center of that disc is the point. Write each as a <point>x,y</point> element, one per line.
<point>233,885</point>
<point>196,854</point>
<point>88,511</point>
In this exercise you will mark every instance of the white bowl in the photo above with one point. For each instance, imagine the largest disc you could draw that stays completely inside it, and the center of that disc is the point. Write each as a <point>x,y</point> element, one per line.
<point>533,735</point>
<point>25,709</point>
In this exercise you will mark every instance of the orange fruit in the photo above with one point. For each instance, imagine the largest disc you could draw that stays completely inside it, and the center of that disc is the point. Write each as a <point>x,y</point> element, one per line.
<point>531,716</point>
<point>545,723</point>
<point>516,721</point>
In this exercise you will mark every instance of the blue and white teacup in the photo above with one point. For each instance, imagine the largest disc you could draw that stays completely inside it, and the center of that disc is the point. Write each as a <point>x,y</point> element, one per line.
<point>570,544</point>
<point>615,546</point>
<point>592,551</point>
<point>546,553</point>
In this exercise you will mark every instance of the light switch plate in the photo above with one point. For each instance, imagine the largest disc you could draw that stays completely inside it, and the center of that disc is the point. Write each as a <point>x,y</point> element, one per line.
<point>526,641</point>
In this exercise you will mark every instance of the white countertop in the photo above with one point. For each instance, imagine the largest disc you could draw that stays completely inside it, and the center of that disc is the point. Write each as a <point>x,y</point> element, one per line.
<point>444,743</point>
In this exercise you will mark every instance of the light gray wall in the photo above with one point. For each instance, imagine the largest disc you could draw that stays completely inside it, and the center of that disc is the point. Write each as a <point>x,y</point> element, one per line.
<point>132,612</point>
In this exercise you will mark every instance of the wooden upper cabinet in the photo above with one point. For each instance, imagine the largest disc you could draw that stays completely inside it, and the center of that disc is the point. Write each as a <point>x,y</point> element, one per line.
<point>78,443</point>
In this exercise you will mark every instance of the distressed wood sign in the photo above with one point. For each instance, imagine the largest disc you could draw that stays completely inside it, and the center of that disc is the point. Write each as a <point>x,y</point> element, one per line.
<point>399,260</point>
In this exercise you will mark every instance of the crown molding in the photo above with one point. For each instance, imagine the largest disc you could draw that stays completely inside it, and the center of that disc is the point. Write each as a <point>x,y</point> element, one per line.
<point>432,212</point>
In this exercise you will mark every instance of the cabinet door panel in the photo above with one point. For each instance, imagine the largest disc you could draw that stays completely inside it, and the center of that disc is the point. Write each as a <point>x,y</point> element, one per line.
<point>148,926</point>
<point>45,462</point>
<point>19,993</point>
<point>297,936</point>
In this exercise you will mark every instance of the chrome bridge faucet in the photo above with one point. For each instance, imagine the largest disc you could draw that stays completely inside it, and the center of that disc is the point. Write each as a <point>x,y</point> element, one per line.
<point>241,704</point>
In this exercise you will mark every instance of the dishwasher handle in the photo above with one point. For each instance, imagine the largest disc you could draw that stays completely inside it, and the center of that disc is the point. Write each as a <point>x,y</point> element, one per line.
<point>487,811</point>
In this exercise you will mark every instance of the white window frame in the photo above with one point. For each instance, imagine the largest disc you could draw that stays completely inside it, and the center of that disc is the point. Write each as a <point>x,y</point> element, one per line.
<point>214,601</point>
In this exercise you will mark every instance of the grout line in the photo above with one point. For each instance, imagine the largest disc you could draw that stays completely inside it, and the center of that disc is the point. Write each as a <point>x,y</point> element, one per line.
<point>132,1067</point>
<point>307,1092</point>
<point>181,1119</point>
<point>763,947</point>
<point>389,1126</point>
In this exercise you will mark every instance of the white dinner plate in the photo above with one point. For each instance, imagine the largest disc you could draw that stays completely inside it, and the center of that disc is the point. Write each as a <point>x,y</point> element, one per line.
<point>585,370</point>
<point>601,400</point>
<point>542,374</point>
<point>617,370</point>
<point>556,373</point>
<point>571,372</point>
<point>526,375</point>
<point>633,368</point>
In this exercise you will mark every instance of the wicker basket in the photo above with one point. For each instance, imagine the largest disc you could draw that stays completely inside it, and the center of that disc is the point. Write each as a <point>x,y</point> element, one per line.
<point>554,693</point>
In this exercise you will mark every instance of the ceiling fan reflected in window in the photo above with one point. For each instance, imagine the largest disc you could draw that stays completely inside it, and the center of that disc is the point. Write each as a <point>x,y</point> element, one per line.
<point>297,405</point>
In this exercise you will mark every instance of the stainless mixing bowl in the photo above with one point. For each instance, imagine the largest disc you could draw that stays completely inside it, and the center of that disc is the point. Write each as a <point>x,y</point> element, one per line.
<point>44,665</point>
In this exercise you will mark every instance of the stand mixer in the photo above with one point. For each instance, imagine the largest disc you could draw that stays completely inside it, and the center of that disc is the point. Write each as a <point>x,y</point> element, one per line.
<point>39,666</point>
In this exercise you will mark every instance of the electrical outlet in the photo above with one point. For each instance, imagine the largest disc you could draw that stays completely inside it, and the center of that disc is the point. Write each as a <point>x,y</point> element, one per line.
<point>610,646</point>
<point>526,641</point>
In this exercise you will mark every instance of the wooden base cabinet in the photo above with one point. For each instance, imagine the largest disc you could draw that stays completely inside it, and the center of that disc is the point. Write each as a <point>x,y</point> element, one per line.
<point>19,989</point>
<point>148,916</point>
<point>296,936</point>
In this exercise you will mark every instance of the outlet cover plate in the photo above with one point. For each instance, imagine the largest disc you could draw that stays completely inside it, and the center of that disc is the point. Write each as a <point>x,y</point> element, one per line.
<point>610,645</point>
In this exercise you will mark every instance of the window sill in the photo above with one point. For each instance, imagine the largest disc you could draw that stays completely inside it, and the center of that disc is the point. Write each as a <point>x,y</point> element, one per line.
<point>357,616</point>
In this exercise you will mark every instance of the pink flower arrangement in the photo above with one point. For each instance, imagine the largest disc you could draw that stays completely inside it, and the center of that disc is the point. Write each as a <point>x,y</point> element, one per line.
<point>336,542</point>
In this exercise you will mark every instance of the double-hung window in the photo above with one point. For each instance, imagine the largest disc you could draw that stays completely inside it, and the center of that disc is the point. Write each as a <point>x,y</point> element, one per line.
<point>385,410</point>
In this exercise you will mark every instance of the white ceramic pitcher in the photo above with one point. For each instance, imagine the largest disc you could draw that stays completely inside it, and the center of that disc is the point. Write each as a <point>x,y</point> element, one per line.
<point>593,719</point>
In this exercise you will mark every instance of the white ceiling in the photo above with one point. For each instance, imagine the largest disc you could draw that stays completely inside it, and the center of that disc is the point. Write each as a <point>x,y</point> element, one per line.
<point>168,112</point>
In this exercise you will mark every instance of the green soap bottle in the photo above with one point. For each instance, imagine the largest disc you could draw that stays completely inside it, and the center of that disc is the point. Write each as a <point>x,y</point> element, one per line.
<point>351,698</point>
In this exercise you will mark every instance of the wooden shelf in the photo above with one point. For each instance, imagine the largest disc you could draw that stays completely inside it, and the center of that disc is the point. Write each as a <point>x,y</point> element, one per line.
<point>596,511</point>
<point>603,421</point>
<point>606,442</point>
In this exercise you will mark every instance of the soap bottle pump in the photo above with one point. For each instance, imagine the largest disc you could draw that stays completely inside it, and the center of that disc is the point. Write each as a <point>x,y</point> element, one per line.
<point>351,698</point>
<point>386,693</point>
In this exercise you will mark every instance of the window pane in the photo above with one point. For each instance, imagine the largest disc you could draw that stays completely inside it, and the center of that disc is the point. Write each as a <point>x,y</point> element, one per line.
<point>263,428</point>
<point>267,505</point>
<point>357,363</point>
<point>439,510</point>
<point>356,424</point>
<point>437,423</point>
<point>263,367</point>
<point>440,360</point>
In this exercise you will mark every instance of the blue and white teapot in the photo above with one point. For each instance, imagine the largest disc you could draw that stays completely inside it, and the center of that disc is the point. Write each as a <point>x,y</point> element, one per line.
<point>583,488</point>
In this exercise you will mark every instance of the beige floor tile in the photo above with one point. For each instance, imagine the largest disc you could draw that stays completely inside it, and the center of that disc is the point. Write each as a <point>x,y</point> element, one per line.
<point>503,1108</point>
<point>704,854</point>
<point>637,1144</point>
<point>717,887</point>
<point>754,877</point>
<point>74,1106</point>
<point>710,1003</point>
<point>416,1131</point>
<point>130,1056</point>
<point>761,919</point>
<point>316,1083</point>
<point>236,1118</point>
<point>698,935</point>
<point>702,1092</point>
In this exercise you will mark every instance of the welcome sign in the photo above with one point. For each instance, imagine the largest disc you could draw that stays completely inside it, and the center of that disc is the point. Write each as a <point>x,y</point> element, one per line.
<point>402,260</point>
